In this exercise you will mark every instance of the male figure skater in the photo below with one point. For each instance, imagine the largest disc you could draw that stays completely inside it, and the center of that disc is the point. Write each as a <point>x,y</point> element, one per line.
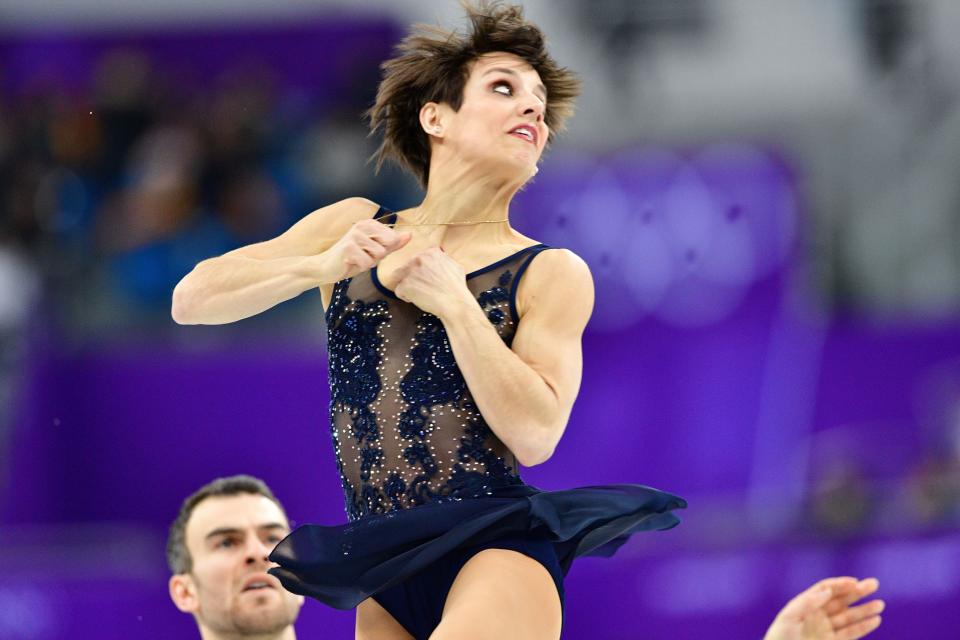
<point>217,551</point>
<point>220,540</point>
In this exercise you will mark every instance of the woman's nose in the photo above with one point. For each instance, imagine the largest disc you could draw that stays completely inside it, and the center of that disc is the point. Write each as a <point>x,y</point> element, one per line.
<point>533,105</point>
<point>535,110</point>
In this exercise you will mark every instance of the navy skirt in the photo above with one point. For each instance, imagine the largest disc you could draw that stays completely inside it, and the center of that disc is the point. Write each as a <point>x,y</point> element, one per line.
<point>344,565</point>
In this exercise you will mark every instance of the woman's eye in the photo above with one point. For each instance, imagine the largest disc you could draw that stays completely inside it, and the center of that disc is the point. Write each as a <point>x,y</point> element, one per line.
<point>509,87</point>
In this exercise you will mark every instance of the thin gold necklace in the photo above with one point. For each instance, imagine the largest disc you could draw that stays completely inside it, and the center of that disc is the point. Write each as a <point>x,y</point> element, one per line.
<point>425,224</point>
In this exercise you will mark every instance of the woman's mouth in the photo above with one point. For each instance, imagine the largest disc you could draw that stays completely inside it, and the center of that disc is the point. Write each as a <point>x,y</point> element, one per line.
<point>522,137</point>
<point>525,132</point>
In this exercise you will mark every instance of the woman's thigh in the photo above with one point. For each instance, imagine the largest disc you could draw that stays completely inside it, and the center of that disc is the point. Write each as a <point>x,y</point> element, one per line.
<point>375,623</point>
<point>500,593</point>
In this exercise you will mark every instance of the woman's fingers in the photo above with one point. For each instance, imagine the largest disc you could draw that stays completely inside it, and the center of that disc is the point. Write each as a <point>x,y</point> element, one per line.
<point>388,237</point>
<point>857,614</point>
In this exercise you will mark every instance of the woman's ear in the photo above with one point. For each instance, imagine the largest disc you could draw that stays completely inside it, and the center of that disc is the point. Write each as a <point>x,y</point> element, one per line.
<point>431,119</point>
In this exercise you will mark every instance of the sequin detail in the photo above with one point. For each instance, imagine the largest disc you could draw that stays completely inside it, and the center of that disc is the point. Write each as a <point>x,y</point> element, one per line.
<point>405,428</point>
<point>495,300</point>
<point>355,346</point>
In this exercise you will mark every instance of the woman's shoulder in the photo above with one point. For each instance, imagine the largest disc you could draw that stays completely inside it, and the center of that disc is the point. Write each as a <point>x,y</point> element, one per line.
<point>551,258</point>
<point>557,268</point>
<point>341,214</point>
<point>559,261</point>
<point>553,278</point>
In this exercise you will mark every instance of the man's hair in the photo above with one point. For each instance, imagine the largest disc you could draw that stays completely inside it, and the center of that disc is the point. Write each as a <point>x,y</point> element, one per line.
<point>178,556</point>
<point>432,65</point>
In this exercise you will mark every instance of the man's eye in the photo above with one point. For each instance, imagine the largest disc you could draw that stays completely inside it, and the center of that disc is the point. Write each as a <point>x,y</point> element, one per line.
<point>225,543</point>
<point>509,87</point>
<point>274,539</point>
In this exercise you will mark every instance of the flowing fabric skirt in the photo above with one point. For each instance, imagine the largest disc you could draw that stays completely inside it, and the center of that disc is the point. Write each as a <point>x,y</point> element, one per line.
<point>345,564</point>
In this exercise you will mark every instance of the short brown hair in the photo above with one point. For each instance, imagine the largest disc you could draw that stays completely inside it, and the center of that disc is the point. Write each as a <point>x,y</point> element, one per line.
<point>178,556</point>
<point>432,66</point>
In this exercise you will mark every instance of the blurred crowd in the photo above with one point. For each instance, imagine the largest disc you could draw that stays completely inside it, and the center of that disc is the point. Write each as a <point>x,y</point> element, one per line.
<point>110,197</point>
<point>846,500</point>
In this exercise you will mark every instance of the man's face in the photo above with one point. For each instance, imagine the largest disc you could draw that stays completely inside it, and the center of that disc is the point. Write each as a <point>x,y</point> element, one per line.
<point>502,92</point>
<point>228,590</point>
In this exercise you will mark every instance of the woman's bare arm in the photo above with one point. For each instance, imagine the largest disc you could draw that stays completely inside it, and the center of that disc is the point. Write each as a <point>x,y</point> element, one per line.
<point>254,278</point>
<point>526,391</point>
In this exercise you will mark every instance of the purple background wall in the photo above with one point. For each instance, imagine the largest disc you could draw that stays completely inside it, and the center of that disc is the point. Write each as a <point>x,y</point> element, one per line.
<point>118,436</point>
<point>755,414</point>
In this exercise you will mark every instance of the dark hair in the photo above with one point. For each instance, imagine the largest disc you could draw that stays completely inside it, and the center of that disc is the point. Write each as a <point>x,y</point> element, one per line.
<point>432,66</point>
<point>178,556</point>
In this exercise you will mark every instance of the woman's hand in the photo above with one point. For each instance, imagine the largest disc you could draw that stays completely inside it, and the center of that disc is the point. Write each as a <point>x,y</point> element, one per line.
<point>433,281</point>
<point>362,247</point>
<point>823,612</point>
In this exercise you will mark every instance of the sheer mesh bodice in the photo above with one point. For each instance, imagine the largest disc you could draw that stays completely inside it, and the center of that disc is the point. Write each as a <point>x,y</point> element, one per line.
<point>407,433</point>
<point>405,428</point>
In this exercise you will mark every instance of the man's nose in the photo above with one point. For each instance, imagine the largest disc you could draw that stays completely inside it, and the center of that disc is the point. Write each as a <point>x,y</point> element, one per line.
<point>257,551</point>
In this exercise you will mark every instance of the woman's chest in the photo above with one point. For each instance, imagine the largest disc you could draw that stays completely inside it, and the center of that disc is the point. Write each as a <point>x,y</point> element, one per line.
<point>383,276</point>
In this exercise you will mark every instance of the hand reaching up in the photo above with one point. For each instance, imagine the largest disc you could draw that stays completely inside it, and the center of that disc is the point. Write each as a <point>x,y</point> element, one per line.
<point>824,612</point>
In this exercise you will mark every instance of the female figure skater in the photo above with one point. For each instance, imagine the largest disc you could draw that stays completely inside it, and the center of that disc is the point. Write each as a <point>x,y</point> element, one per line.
<point>454,355</point>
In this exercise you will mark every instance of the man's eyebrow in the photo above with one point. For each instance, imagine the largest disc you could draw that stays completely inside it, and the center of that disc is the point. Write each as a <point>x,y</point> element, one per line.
<point>223,531</point>
<point>514,73</point>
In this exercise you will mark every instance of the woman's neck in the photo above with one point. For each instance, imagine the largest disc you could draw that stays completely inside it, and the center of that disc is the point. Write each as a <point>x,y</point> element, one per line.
<point>468,195</point>
<point>461,193</point>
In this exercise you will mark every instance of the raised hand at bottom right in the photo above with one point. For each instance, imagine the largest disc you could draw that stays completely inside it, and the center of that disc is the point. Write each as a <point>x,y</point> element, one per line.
<point>826,611</point>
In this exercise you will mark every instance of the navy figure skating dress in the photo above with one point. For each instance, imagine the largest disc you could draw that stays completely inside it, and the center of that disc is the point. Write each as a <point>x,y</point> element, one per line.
<point>426,482</point>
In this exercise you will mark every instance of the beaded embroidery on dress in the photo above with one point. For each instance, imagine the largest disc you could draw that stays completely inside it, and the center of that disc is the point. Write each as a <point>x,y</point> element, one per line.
<point>423,476</point>
<point>404,425</point>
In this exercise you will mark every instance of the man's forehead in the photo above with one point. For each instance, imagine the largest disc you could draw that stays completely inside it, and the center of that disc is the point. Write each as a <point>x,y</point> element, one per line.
<point>242,511</point>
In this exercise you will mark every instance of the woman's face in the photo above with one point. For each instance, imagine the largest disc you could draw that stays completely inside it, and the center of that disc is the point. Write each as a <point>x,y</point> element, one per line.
<point>503,94</point>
